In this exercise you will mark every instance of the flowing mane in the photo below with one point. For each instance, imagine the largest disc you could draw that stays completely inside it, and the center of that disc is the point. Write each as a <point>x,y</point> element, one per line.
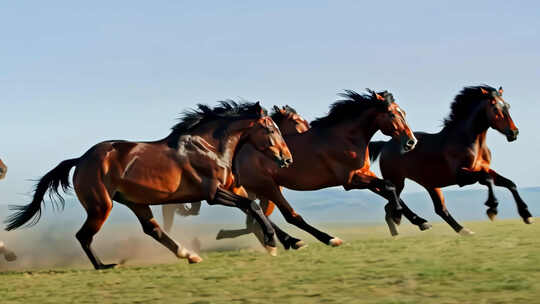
<point>465,102</point>
<point>227,109</point>
<point>278,116</point>
<point>352,106</point>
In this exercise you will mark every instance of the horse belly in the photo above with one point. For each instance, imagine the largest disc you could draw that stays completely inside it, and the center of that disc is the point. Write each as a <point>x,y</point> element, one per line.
<point>146,178</point>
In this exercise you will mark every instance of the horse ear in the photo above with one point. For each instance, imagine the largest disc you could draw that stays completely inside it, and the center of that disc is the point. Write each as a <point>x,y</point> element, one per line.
<point>500,91</point>
<point>276,108</point>
<point>379,97</point>
<point>260,111</point>
<point>484,91</point>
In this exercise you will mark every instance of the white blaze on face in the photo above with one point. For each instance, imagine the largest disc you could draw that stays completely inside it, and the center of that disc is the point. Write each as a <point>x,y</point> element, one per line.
<point>400,112</point>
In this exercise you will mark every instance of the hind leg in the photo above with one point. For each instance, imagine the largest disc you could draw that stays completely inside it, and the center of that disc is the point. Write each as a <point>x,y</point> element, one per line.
<point>95,219</point>
<point>151,227</point>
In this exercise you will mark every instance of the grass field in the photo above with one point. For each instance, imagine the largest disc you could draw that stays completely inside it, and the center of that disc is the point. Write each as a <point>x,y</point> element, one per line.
<point>500,264</point>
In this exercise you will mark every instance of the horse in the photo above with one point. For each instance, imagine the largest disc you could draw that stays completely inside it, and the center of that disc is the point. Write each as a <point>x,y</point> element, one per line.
<point>3,169</point>
<point>333,152</point>
<point>8,254</point>
<point>457,155</point>
<point>289,122</point>
<point>194,162</point>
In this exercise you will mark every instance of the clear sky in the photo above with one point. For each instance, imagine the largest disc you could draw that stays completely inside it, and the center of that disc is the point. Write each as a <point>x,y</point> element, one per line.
<point>76,73</point>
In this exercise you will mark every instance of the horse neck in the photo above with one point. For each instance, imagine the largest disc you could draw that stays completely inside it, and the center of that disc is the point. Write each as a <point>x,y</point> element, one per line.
<point>470,131</point>
<point>228,144</point>
<point>225,143</point>
<point>288,128</point>
<point>359,131</point>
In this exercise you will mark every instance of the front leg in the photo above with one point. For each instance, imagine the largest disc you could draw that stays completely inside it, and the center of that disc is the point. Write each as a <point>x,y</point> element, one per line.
<point>492,203</point>
<point>227,198</point>
<point>523,209</point>
<point>365,179</point>
<point>272,192</point>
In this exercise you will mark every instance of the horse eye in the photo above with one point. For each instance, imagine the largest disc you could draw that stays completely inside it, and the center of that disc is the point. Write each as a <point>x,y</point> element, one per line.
<point>392,115</point>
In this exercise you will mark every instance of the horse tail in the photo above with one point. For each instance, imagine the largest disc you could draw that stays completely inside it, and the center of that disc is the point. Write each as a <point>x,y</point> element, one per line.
<point>30,214</point>
<point>375,148</point>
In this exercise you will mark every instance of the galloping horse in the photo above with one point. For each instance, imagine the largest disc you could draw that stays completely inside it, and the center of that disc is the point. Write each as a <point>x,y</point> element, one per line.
<point>193,163</point>
<point>289,122</point>
<point>3,169</point>
<point>333,152</point>
<point>8,254</point>
<point>458,154</point>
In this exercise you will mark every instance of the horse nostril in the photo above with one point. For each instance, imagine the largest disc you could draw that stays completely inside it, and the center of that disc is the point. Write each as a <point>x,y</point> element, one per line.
<point>410,143</point>
<point>516,132</point>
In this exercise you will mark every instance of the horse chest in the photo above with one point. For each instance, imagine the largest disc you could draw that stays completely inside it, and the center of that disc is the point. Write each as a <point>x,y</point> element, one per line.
<point>476,159</point>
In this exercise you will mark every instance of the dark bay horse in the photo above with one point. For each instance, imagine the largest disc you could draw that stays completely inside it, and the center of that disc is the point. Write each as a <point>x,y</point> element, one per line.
<point>457,155</point>
<point>8,254</point>
<point>333,152</point>
<point>193,163</point>
<point>289,122</point>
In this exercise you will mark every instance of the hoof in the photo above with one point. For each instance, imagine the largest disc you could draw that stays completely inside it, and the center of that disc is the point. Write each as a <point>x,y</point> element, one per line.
<point>425,226</point>
<point>466,232</point>
<point>10,256</point>
<point>492,214</point>
<point>271,250</point>
<point>194,259</point>
<point>299,245</point>
<point>528,220</point>
<point>335,242</point>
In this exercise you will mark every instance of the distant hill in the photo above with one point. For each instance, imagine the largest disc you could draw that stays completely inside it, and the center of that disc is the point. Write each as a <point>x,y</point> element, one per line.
<point>328,205</point>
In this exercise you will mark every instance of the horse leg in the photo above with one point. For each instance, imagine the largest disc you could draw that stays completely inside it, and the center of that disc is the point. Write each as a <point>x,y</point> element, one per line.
<point>284,238</point>
<point>168,216</point>
<point>97,213</point>
<point>408,213</point>
<point>440,208</point>
<point>273,193</point>
<point>8,254</point>
<point>230,199</point>
<point>523,209</point>
<point>382,187</point>
<point>492,201</point>
<point>151,227</point>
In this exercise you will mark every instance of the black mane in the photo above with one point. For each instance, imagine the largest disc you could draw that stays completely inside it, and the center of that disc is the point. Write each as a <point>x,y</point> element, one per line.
<point>277,116</point>
<point>351,107</point>
<point>465,102</point>
<point>227,109</point>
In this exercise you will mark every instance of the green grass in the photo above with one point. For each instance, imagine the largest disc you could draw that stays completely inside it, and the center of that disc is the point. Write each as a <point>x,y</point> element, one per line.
<point>500,264</point>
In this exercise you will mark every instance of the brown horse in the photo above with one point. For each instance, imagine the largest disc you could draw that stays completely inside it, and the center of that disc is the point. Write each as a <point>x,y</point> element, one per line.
<point>458,154</point>
<point>193,163</point>
<point>8,254</point>
<point>3,169</point>
<point>289,122</point>
<point>333,152</point>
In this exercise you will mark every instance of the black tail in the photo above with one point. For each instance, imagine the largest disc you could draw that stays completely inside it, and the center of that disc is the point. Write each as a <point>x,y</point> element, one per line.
<point>375,148</point>
<point>30,214</point>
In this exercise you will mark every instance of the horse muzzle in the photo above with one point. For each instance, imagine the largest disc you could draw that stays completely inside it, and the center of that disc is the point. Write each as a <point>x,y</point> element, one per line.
<point>408,143</point>
<point>512,135</point>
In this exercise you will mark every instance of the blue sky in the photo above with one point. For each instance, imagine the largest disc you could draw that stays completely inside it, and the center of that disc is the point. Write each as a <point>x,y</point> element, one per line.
<point>73,74</point>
